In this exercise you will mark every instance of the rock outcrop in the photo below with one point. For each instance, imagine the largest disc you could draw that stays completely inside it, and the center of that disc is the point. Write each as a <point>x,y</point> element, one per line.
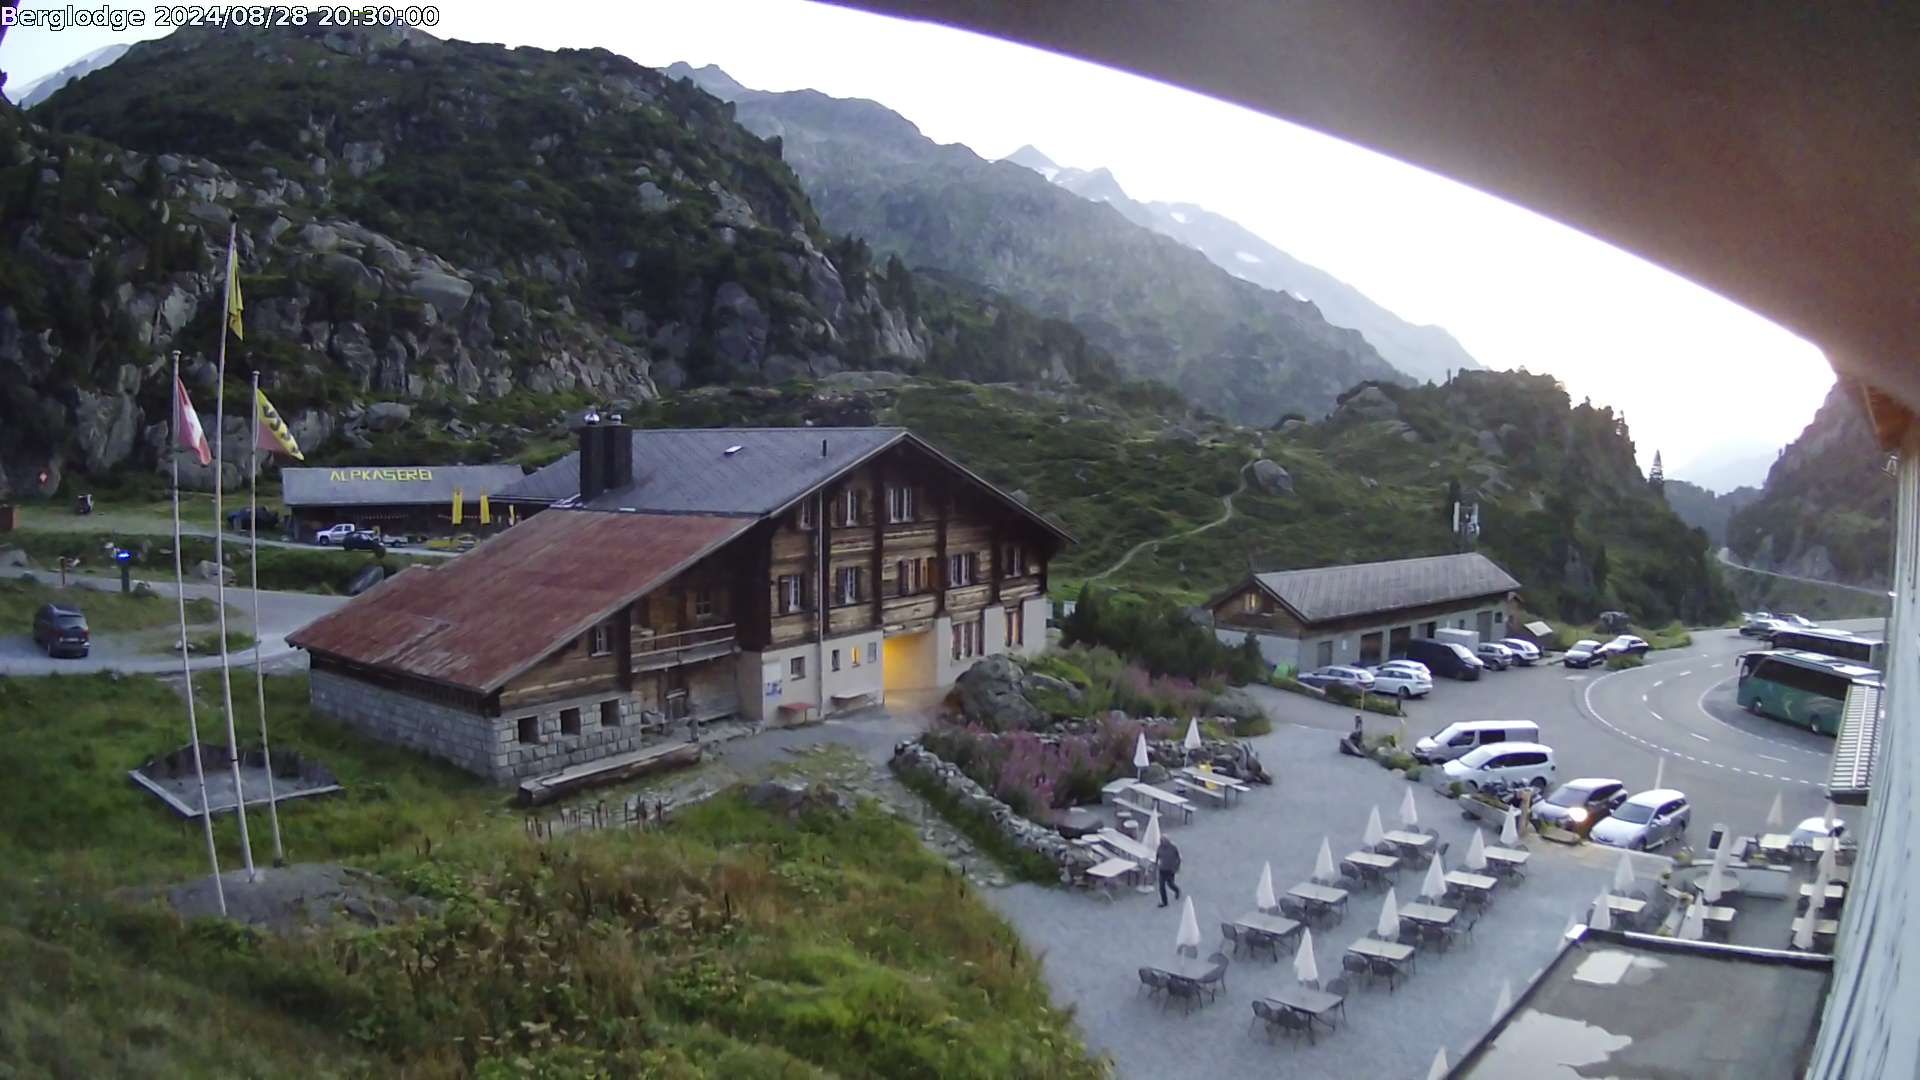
<point>1272,477</point>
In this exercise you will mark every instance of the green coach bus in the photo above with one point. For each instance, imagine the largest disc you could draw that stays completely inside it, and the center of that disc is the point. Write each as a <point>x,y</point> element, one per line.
<point>1802,688</point>
<point>1837,644</point>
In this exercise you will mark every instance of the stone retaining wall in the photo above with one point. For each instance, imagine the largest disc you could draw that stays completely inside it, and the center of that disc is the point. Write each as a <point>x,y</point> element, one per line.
<point>1072,860</point>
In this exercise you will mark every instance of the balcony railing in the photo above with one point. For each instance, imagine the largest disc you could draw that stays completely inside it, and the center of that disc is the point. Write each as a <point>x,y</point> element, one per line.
<point>684,647</point>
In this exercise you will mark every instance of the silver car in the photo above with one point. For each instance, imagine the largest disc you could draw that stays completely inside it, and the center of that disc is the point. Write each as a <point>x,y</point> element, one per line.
<point>1646,821</point>
<point>1525,653</point>
<point>1575,802</point>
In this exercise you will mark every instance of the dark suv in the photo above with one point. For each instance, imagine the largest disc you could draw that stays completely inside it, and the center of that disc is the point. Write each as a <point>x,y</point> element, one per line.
<point>62,631</point>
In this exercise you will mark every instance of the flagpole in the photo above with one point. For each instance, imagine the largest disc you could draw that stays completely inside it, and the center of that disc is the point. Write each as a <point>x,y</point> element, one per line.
<point>259,675</point>
<point>186,664</point>
<point>219,555</point>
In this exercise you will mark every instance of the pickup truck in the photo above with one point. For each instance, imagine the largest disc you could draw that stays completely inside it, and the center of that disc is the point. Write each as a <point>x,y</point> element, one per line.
<point>334,534</point>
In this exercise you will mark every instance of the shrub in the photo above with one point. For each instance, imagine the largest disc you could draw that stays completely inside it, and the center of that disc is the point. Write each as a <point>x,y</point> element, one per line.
<point>1246,727</point>
<point>1455,788</point>
<point>1414,771</point>
<point>1159,636</point>
<point>981,829</point>
<point>1623,661</point>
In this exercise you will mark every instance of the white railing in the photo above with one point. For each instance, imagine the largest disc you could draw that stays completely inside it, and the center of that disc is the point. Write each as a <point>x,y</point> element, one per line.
<point>706,639</point>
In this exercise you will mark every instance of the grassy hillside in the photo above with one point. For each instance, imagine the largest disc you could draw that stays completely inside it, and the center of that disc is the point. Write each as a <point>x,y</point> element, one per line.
<point>731,943</point>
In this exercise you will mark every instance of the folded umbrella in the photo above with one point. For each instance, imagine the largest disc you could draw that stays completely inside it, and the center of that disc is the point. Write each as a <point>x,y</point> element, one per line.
<point>1263,895</point>
<point>1305,968</point>
<point>1323,866</point>
<point>1776,815</point>
<point>1409,814</point>
<point>1140,759</point>
<point>1602,914</point>
<point>1435,885</point>
<point>1693,925</point>
<point>1151,838</point>
<point>1438,1070</point>
<point>1189,935</point>
<point>1193,734</point>
<point>1388,928</point>
<point>1477,852</point>
<point>1374,834</point>
<point>1510,828</point>
<point>1505,1001</point>
<point>1623,875</point>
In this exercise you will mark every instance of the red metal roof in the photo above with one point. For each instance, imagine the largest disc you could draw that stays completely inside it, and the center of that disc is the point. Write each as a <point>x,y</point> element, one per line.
<point>478,620</point>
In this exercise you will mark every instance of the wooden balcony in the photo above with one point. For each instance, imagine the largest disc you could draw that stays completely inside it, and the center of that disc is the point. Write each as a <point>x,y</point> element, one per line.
<point>659,651</point>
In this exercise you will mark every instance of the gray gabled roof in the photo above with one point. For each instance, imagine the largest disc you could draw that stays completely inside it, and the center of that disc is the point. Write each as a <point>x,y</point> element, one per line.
<point>1337,592</point>
<point>688,470</point>
<point>386,485</point>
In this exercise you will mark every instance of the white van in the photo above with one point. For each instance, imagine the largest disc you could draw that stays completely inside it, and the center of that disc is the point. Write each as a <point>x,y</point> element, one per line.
<point>1456,739</point>
<point>1511,763</point>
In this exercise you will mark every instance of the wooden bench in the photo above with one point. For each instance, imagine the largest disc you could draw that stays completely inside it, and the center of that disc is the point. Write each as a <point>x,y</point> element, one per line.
<point>1218,795</point>
<point>1129,804</point>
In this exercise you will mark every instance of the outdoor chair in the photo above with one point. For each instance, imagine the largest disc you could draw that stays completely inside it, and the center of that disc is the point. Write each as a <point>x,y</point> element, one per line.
<point>1386,847</point>
<point>1266,1014</point>
<point>1441,849</point>
<point>1293,1023</point>
<point>1434,937</point>
<point>1385,969</point>
<point>1232,934</point>
<point>1338,988</point>
<point>1294,908</point>
<point>1186,991</point>
<point>1154,982</point>
<point>1191,951</point>
<point>1219,973</point>
<point>1355,965</point>
<point>1258,940</point>
<point>1462,925</point>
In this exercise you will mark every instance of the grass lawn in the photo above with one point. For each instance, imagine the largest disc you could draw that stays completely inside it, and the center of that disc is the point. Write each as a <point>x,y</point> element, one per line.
<point>731,943</point>
<point>106,612</point>
<point>1672,636</point>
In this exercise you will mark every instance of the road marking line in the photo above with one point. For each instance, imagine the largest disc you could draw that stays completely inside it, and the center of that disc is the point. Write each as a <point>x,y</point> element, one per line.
<point>1699,736</point>
<point>1770,757</point>
<point>1657,716</point>
<point>1658,685</point>
<point>1683,675</point>
<point>1643,699</point>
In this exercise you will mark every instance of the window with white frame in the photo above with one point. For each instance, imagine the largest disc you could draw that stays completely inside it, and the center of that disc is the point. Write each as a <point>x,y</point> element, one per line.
<point>805,514</point>
<point>963,569</point>
<point>1016,628</point>
<point>899,503</point>
<point>848,582</point>
<point>850,507</point>
<point>836,659</point>
<point>600,640</point>
<point>873,652</point>
<point>702,603</point>
<point>1013,560</point>
<point>792,594</point>
<point>797,668</point>
<point>1253,601</point>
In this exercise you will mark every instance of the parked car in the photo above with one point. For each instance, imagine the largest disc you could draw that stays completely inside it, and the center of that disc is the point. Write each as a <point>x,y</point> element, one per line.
<point>1627,643</point>
<point>1798,622</point>
<point>1495,655</point>
<point>364,540</point>
<point>1458,739</point>
<point>334,534</point>
<point>1525,653</point>
<point>1445,658</point>
<point>1645,821</point>
<point>62,631</point>
<point>1512,764</point>
<point>1401,682</point>
<point>1579,805</point>
<point>1584,654</point>
<point>1760,625</point>
<point>1414,667</point>
<point>1353,678</point>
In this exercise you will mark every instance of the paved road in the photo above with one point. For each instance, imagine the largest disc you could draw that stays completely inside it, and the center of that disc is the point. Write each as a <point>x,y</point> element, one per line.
<point>281,613</point>
<point>1726,557</point>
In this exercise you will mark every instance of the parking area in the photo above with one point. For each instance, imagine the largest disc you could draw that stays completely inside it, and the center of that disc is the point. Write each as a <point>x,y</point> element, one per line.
<point>1093,948</point>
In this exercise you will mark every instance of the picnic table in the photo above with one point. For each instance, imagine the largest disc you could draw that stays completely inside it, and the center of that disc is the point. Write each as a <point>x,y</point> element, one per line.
<point>1718,918</point>
<point>1277,925</point>
<point>1128,846</point>
<point>1222,779</point>
<point>1466,879</point>
<point>1373,859</point>
<point>1391,951</point>
<point>1835,891</point>
<point>1187,967</point>
<point>1826,928</point>
<point>1401,838</point>
<point>1510,856</point>
<point>1311,1003</point>
<point>1221,796</point>
<point>1318,896</point>
<point>1109,871</point>
<point>1165,798</point>
<point>1431,914</point>
<point>1775,843</point>
<point>1625,905</point>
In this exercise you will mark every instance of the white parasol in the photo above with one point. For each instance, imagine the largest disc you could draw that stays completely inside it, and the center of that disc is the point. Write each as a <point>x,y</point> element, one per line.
<point>1263,895</point>
<point>1693,925</point>
<point>1323,866</point>
<point>1602,914</point>
<point>1189,935</point>
<point>1438,1070</point>
<point>1510,828</point>
<point>1660,773</point>
<point>1623,875</point>
<point>1140,759</point>
<point>1477,852</point>
<point>1716,882</point>
<point>1409,814</point>
<point>1151,838</point>
<point>1803,933</point>
<point>1776,815</point>
<point>1435,885</point>
<point>1388,928</point>
<point>1305,968</point>
<point>1830,817</point>
<point>1505,1001</point>
<point>1193,734</point>
<point>1374,834</point>
<point>1821,878</point>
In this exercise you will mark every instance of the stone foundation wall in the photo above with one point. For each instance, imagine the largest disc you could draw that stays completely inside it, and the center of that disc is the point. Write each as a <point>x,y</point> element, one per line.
<point>492,747</point>
<point>1072,860</point>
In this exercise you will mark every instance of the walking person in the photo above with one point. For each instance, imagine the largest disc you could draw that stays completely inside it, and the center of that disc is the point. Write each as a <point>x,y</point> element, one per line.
<point>1168,859</point>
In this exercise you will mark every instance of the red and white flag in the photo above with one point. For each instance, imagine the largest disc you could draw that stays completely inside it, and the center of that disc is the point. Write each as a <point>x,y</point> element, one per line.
<point>186,424</point>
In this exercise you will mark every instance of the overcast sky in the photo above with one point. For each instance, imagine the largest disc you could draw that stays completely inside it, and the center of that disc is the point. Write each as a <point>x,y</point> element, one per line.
<point>1697,376</point>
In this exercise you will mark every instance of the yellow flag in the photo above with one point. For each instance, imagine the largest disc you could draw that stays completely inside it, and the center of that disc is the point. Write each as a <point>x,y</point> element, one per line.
<point>233,290</point>
<point>273,436</point>
<point>486,512</point>
<point>459,501</point>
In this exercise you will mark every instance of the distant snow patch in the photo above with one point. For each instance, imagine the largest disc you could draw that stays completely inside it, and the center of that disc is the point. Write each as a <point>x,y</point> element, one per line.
<point>1245,257</point>
<point>1047,171</point>
<point>1178,216</point>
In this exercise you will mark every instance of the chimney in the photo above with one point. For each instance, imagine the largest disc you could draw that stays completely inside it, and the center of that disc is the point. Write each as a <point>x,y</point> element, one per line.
<point>617,453</point>
<point>593,456</point>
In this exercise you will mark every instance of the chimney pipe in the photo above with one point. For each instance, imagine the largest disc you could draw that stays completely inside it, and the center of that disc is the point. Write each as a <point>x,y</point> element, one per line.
<point>593,454</point>
<point>823,448</point>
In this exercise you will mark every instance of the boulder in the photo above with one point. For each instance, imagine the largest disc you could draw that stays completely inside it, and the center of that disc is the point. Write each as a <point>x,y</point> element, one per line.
<point>793,797</point>
<point>366,578</point>
<point>14,558</point>
<point>208,570</point>
<point>448,294</point>
<point>1272,477</point>
<point>1489,443</point>
<point>1036,683</point>
<point>1238,704</point>
<point>105,427</point>
<point>388,415</point>
<point>989,694</point>
<point>1371,403</point>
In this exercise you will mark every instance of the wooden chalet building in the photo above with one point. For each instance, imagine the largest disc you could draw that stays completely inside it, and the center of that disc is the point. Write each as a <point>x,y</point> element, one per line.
<point>689,575</point>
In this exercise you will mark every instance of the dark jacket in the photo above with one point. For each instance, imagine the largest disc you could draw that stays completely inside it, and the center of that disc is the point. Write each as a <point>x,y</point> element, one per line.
<point>1168,857</point>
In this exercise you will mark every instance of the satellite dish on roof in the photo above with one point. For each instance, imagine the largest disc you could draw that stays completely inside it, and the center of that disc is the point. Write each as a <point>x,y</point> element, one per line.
<point>592,417</point>
<point>731,450</point>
